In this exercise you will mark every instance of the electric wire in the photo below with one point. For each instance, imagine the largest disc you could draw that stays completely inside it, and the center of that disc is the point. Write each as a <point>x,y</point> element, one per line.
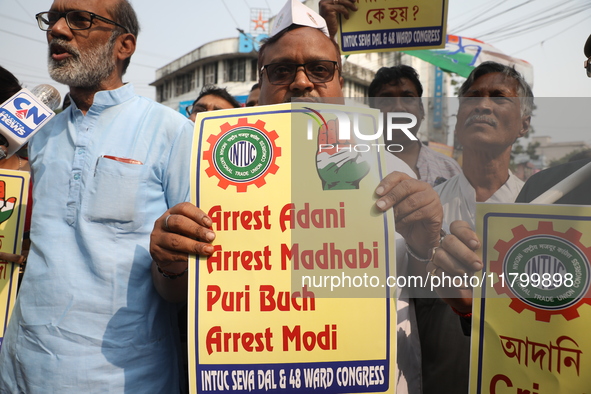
<point>470,20</point>
<point>230,13</point>
<point>532,23</point>
<point>490,17</point>
<point>554,35</point>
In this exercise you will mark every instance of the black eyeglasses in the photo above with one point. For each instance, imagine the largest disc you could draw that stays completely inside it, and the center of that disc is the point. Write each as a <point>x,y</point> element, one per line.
<point>195,108</point>
<point>318,71</point>
<point>76,20</point>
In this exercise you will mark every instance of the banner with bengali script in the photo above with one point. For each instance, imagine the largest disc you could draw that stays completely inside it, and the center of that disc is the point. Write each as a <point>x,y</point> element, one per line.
<point>531,318</point>
<point>385,25</point>
<point>14,192</point>
<point>293,298</point>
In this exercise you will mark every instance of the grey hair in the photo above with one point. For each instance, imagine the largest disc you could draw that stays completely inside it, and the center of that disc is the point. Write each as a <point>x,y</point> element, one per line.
<point>526,96</point>
<point>124,14</point>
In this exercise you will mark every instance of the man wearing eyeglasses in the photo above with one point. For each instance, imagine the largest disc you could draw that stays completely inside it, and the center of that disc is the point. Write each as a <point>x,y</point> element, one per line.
<point>301,63</point>
<point>88,317</point>
<point>211,98</point>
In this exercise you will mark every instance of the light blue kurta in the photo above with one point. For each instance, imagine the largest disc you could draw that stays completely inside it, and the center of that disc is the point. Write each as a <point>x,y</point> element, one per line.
<point>87,318</point>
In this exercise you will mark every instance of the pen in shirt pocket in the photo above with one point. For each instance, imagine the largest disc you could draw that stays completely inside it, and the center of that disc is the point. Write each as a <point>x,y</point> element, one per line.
<point>121,159</point>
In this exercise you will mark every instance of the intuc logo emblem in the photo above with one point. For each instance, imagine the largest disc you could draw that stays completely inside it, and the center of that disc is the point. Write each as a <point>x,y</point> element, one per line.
<point>242,154</point>
<point>544,270</point>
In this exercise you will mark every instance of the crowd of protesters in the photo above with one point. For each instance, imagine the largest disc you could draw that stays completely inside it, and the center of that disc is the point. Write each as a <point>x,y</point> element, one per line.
<point>98,307</point>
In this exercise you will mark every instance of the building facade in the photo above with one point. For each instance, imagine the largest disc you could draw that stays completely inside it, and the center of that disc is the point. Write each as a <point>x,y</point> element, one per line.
<point>232,63</point>
<point>551,151</point>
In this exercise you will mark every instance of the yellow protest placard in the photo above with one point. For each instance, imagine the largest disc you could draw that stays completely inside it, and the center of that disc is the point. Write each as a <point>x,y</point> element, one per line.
<point>300,260</point>
<point>387,25</point>
<point>14,192</point>
<point>531,316</point>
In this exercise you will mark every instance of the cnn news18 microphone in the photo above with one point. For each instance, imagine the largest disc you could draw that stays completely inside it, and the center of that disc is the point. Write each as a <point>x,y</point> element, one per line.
<point>22,115</point>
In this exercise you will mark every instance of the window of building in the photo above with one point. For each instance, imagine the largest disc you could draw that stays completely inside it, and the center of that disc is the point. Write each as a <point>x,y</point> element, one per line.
<point>210,74</point>
<point>235,70</point>
<point>254,72</point>
<point>184,83</point>
<point>353,89</point>
<point>159,90</point>
<point>198,73</point>
<point>163,92</point>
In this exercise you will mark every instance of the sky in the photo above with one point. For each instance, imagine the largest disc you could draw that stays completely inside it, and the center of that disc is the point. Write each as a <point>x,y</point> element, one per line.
<point>173,28</point>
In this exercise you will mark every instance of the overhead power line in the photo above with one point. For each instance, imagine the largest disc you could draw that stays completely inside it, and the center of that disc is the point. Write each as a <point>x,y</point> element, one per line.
<point>22,7</point>
<point>477,11</point>
<point>230,13</point>
<point>584,19</point>
<point>510,23</point>
<point>28,22</point>
<point>25,37</point>
<point>500,35</point>
<point>545,15</point>
<point>487,18</point>
<point>532,24</point>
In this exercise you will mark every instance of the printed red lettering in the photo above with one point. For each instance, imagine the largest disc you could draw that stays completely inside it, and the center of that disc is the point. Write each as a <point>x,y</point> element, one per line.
<point>225,342</point>
<point>317,218</point>
<point>325,339</point>
<point>231,301</point>
<point>284,300</point>
<point>234,220</point>
<point>330,257</point>
<point>231,260</point>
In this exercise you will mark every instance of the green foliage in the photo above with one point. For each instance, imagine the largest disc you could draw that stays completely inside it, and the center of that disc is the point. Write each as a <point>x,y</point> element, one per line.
<point>456,82</point>
<point>530,150</point>
<point>566,158</point>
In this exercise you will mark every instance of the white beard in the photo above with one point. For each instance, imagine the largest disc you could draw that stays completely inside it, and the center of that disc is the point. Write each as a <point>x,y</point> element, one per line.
<point>83,69</point>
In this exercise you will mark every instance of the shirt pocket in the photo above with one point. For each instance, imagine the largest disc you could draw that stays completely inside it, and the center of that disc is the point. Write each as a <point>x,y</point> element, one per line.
<point>116,195</point>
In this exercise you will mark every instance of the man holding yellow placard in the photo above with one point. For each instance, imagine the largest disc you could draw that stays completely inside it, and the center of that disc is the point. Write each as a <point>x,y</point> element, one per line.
<point>495,110</point>
<point>301,63</point>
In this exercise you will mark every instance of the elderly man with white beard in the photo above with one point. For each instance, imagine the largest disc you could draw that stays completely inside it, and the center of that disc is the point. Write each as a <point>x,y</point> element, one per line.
<point>88,317</point>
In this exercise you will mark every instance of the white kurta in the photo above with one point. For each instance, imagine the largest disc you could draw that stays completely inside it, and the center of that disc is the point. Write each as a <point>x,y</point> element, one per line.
<point>442,336</point>
<point>408,346</point>
<point>458,197</point>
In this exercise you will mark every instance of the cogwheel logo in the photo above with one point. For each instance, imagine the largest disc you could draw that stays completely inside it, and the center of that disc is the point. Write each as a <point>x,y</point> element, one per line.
<point>544,271</point>
<point>242,154</point>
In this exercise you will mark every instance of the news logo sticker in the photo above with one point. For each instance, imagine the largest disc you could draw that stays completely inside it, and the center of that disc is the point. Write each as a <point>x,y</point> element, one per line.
<point>23,114</point>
